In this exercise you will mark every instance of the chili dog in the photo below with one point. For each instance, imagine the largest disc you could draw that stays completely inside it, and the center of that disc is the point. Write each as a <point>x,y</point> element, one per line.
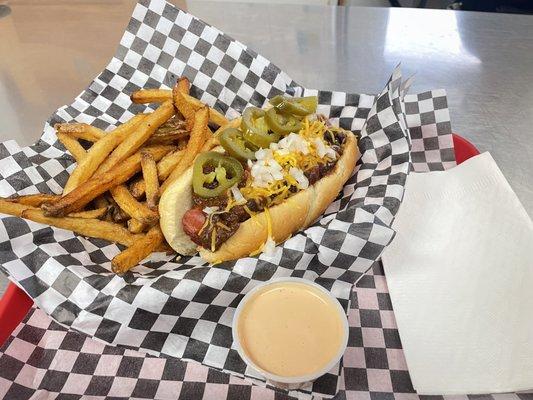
<point>276,172</point>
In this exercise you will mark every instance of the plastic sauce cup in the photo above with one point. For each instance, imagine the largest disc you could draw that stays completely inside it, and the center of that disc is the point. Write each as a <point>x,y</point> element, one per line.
<point>291,382</point>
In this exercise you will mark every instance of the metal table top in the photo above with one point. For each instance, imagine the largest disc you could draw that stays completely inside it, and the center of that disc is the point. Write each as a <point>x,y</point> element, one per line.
<point>49,52</point>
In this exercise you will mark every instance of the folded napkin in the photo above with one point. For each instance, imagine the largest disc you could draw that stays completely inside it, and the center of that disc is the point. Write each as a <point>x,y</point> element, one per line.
<point>460,275</point>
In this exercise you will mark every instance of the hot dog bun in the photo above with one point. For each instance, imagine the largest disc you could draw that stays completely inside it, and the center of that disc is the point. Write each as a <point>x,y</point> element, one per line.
<point>174,202</point>
<point>294,214</point>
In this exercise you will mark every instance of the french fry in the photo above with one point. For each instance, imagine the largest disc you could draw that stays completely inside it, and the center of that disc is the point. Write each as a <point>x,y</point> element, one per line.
<point>138,251</point>
<point>99,151</point>
<point>116,213</point>
<point>182,143</point>
<point>184,107</point>
<point>184,86</point>
<point>171,131</point>
<point>164,169</point>
<point>82,195</point>
<point>149,170</point>
<point>211,142</point>
<point>215,117</point>
<point>234,123</point>
<point>12,208</point>
<point>132,207</point>
<point>161,95</point>
<point>137,188</point>
<point>133,142</point>
<point>73,146</point>
<point>100,202</point>
<point>135,226</point>
<point>90,214</point>
<point>171,138</point>
<point>168,163</point>
<point>213,138</point>
<point>86,227</point>
<point>34,200</point>
<point>151,96</point>
<point>198,134</point>
<point>81,131</point>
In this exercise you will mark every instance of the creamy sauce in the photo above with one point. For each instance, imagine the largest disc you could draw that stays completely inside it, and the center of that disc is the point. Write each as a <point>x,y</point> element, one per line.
<point>290,329</point>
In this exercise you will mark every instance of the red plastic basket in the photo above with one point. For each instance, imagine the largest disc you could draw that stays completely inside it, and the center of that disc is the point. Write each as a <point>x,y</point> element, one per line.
<point>15,304</point>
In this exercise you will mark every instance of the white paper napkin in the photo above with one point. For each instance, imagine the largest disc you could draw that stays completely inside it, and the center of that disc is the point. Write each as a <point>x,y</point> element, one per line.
<point>460,276</point>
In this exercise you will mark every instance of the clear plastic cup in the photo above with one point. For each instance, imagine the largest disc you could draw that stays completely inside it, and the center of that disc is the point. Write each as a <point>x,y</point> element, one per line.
<point>292,382</point>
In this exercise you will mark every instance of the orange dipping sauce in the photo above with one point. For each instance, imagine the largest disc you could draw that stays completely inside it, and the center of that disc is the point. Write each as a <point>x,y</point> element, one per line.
<point>291,329</point>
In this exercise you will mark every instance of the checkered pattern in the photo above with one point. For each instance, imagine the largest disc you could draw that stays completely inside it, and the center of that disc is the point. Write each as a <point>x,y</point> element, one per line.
<point>428,116</point>
<point>44,360</point>
<point>182,308</point>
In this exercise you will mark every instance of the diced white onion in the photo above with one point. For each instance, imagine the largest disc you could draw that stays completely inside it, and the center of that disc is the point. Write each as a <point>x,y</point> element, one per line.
<point>265,169</point>
<point>210,210</point>
<point>275,170</point>
<point>322,150</point>
<point>269,248</point>
<point>331,153</point>
<point>263,154</point>
<point>296,173</point>
<point>237,195</point>
<point>294,143</point>
<point>320,147</point>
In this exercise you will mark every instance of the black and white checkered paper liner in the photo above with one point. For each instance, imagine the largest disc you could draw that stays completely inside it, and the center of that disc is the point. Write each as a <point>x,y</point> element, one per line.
<point>181,307</point>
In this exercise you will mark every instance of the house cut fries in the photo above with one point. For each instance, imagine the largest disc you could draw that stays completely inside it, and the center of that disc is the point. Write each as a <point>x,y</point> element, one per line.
<point>135,226</point>
<point>137,188</point>
<point>132,207</point>
<point>164,169</point>
<point>171,131</point>
<point>134,141</point>
<point>212,141</point>
<point>116,213</point>
<point>168,163</point>
<point>215,117</point>
<point>184,86</point>
<point>149,170</point>
<point>100,202</point>
<point>138,251</point>
<point>73,146</point>
<point>86,227</point>
<point>113,192</point>
<point>12,208</point>
<point>82,195</point>
<point>34,200</point>
<point>91,214</point>
<point>81,131</point>
<point>196,141</point>
<point>151,96</point>
<point>99,151</point>
<point>184,107</point>
<point>161,95</point>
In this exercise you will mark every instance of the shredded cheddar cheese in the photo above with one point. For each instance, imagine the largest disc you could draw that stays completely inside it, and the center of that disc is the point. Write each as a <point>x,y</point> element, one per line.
<point>282,166</point>
<point>206,222</point>
<point>250,212</point>
<point>269,234</point>
<point>223,226</point>
<point>213,239</point>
